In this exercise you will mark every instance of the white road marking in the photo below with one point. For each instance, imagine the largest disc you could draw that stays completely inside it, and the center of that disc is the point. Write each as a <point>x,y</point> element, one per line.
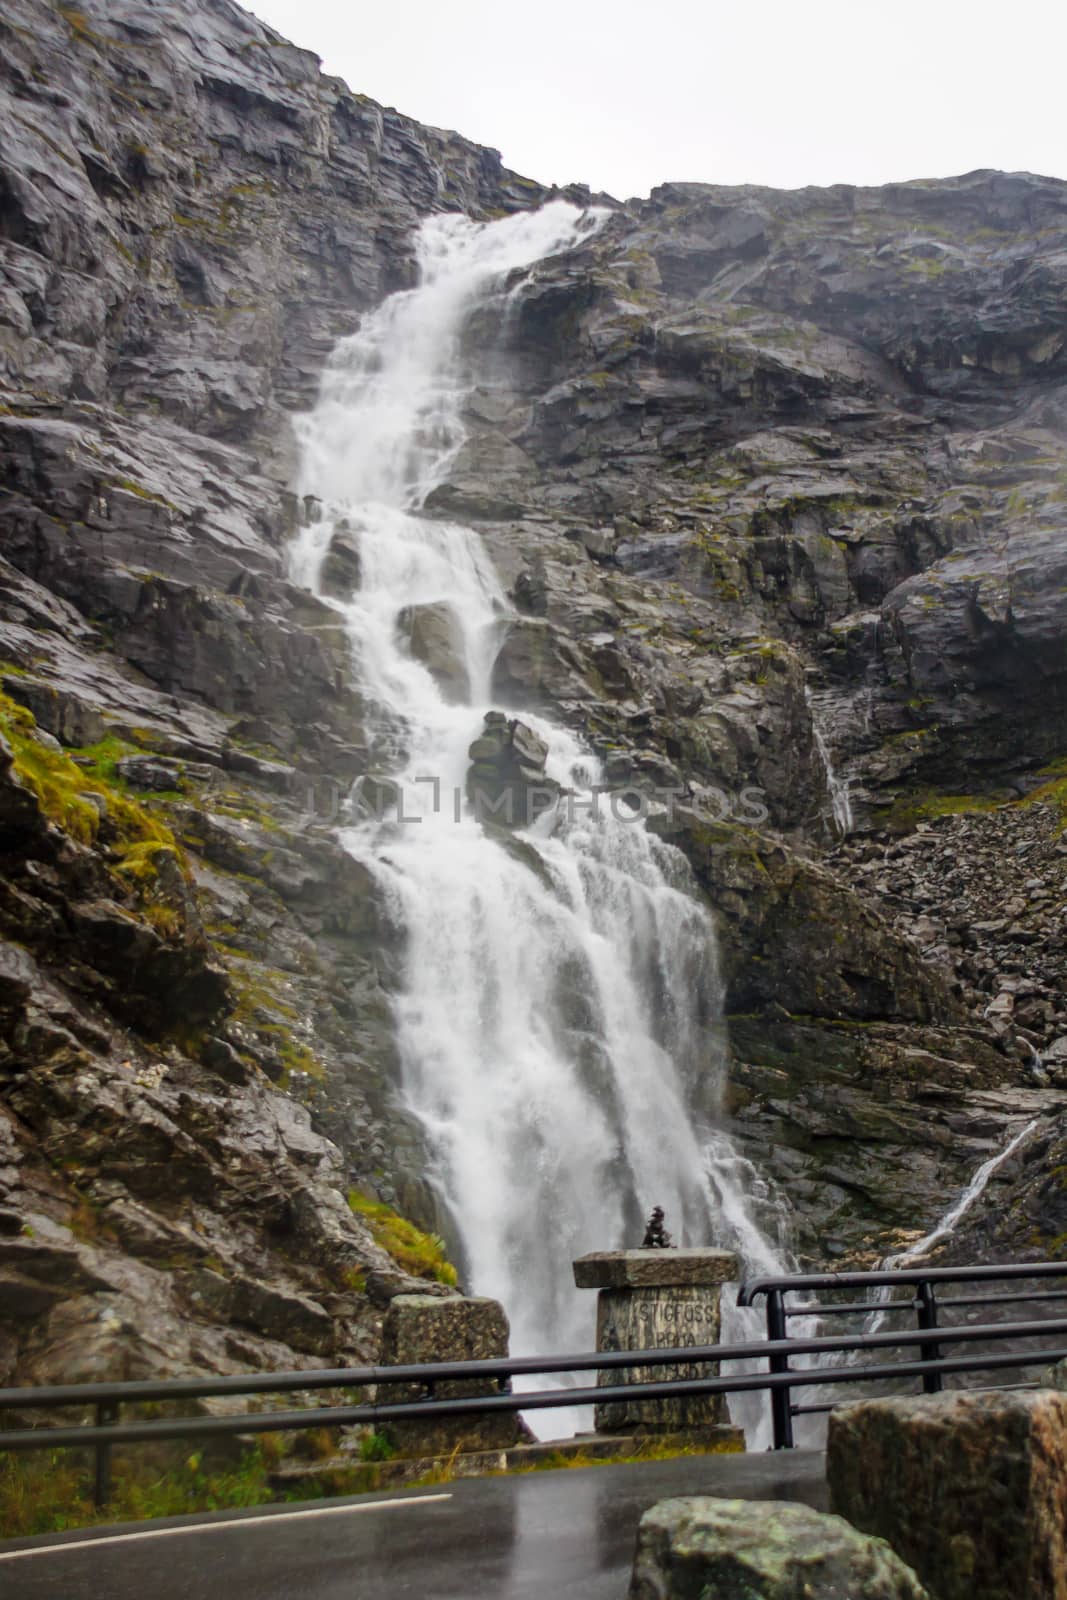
<point>223,1526</point>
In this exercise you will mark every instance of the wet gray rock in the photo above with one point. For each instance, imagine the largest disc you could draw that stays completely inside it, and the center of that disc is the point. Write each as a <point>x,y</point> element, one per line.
<point>698,1548</point>
<point>488,479</point>
<point>191,215</point>
<point>983,889</point>
<point>342,567</point>
<point>769,898</point>
<point>433,636</point>
<point>537,667</point>
<point>506,781</point>
<point>871,1127</point>
<point>907,533</point>
<point>968,1488</point>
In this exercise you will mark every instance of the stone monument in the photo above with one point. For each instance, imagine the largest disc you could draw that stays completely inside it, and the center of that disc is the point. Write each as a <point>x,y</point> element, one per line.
<point>657,1298</point>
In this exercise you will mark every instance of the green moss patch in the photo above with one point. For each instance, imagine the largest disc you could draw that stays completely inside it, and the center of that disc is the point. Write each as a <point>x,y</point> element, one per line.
<point>100,760</point>
<point>1054,792</point>
<point>927,805</point>
<point>129,486</point>
<point>421,1254</point>
<point>64,791</point>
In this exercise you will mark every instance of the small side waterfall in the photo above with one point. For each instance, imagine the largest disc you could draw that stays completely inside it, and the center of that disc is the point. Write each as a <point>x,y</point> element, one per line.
<point>837,787</point>
<point>963,1202</point>
<point>812,1430</point>
<point>559,1016</point>
<point>949,1222</point>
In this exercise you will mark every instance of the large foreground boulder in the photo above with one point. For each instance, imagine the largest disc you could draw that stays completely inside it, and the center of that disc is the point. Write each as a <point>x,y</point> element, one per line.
<point>704,1549</point>
<point>970,1488</point>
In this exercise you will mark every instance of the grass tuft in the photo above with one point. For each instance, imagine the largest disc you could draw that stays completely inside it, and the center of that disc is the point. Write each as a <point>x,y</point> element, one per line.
<point>47,1491</point>
<point>1052,793</point>
<point>63,789</point>
<point>421,1254</point>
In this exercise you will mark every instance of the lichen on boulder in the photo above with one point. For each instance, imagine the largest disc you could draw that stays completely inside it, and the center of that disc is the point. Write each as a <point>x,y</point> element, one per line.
<point>698,1548</point>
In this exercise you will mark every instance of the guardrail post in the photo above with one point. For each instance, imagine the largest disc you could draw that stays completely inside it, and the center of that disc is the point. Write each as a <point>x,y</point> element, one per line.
<point>926,1308</point>
<point>781,1399</point>
<point>106,1413</point>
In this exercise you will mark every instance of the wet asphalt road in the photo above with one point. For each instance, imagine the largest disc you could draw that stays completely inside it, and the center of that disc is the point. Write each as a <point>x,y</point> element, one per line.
<point>547,1534</point>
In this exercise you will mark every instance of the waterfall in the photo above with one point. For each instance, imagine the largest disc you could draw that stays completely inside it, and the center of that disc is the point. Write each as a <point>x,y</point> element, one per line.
<point>559,1012</point>
<point>837,788</point>
<point>811,1431</point>
<point>963,1202</point>
<point>948,1223</point>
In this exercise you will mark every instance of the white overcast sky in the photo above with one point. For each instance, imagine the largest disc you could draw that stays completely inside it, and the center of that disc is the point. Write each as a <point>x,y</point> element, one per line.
<point>624,95</point>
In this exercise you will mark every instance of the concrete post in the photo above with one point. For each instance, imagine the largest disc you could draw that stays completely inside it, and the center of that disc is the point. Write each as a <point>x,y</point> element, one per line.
<point>425,1328</point>
<point>657,1299</point>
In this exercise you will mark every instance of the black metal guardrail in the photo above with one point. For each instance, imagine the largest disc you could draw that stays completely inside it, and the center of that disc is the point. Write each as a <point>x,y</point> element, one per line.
<point>779,1351</point>
<point>927,1307</point>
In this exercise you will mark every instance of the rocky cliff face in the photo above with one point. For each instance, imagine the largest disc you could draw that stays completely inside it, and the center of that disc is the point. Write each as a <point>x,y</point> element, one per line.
<point>790,492</point>
<point>767,475</point>
<point>190,216</point>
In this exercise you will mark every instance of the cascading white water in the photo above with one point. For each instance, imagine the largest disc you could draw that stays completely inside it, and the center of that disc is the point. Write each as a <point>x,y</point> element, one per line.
<point>964,1201</point>
<point>559,1015</point>
<point>953,1216</point>
<point>837,787</point>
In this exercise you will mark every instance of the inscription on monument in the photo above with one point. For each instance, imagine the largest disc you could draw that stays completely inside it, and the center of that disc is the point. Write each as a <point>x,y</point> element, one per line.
<point>659,1318</point>
<point>657,1298</point>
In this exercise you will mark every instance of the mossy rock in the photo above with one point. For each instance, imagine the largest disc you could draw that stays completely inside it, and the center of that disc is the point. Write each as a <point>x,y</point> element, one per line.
<point>421,1254</point>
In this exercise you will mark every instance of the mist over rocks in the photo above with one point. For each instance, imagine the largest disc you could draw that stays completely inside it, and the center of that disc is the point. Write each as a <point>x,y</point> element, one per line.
<point>737,445</point>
